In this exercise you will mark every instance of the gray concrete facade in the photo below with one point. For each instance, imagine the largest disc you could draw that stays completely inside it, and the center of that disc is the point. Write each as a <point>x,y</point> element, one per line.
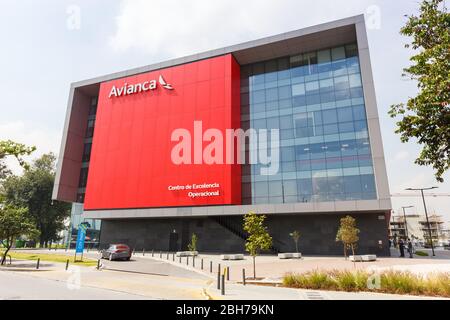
<point>318,233</point>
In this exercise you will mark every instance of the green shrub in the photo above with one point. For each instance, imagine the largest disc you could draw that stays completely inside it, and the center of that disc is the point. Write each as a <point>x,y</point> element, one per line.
<point>396,282</point>
<point>421,253</point>
<point>351,281</point>
<point>401,283</point>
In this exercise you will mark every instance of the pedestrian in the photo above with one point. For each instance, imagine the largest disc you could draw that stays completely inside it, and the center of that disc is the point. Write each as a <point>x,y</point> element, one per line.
<point>410,248</point>
<point>401,246</point>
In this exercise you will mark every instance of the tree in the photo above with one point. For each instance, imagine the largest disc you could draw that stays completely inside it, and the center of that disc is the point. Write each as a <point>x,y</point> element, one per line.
<point>11,148</point>
<point>426,117</point>
<point>348,234</point>
<point>295,236</point>
<point>258,236</point>
<point>33,190</point>
<point>14,222</point>
<point>17,150</point>
<point>193,245</point>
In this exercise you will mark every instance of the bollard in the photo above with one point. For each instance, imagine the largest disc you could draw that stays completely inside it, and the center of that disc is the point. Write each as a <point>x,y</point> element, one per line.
<point>187,260</point>
<point>153,253</point>
<point>38,263</point>
<point>222,289</point>
<point>167,255</point>
<point>98,264</point>
<point>243,277</point>
<point>193,261</point>
<point>210,267</point>
<point>228,273</point>
<point>180,258</point>
<point>67,264</point>
<point>218,268</point>
<point>173,257</point>
<point>218,280</point>
<point>160,254</point>
<point>143,252</point>
<point>202,264</point>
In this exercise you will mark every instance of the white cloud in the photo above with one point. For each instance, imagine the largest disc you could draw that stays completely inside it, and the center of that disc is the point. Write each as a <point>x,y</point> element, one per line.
<point>44,140</point>
<point>177,28</point>
<point>402,155</point>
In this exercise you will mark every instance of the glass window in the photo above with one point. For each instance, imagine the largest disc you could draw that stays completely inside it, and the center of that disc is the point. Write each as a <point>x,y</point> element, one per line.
<point>273,123</point>
<point>286,134</point>
<point>368,183</point>
<point>83,178</point>
<point>351,50</point>
<point>286,122</point>
<point>326,85</point>
<point>272,94</point>
<point>352,184</point>
<point>93,109</point>
<point>259,124</point>
<point>309,97</point>
<point>285,92</point>
<point>288,166</point>
<point>359,113</point>
<point>345,127</point>
<point>345,114</point>
<point>298,89</point>
<point>87,152</point>
<point>312,87</point>
<point>261,189</point>
<point>290,187</point>
<point>355,80</point>
<point>304,186</point>
<point>338,53</point>
<point>258,96</point>
<point>275,188</point>
<point>360,126</point>
<point>329,116</point>
<point>324,56</point>
<point>287,154</point>
<point>341,83</point>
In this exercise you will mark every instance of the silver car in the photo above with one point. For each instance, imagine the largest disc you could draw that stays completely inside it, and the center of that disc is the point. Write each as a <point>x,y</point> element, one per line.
<point>117,252</point>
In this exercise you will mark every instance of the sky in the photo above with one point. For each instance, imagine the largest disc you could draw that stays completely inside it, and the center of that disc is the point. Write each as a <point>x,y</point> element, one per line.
<point>48,44</point>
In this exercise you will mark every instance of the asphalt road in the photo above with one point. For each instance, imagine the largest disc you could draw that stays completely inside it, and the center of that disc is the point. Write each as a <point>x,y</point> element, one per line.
<point>147,266</point>
<point>15,286</point>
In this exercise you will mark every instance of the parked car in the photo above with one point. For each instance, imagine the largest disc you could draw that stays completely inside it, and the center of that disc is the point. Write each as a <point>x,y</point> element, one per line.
<point>117,252</point>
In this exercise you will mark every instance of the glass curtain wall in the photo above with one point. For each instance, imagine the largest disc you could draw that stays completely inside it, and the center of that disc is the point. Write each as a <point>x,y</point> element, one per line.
<point>316,101</point>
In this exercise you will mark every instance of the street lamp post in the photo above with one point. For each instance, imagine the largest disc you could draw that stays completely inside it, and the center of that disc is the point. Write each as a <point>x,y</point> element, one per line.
<point>426,213</point>
<point>404,219</point>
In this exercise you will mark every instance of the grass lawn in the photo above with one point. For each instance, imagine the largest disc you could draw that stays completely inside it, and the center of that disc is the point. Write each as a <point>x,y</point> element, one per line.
<point>50,258</point>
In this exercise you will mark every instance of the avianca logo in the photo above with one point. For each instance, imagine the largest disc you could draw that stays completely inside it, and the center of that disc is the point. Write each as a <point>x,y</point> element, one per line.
<point>128,89</point>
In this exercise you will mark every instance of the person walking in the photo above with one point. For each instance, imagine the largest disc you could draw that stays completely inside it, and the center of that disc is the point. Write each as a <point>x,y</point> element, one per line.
<point>401,246</point>
<point>410,248</point>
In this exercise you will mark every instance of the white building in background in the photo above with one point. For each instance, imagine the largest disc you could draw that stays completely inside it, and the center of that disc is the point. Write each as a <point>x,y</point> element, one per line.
<point>416,227</point>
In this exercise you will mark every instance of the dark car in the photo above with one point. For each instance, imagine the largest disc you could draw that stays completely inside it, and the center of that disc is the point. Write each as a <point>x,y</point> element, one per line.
<point>117,252</point>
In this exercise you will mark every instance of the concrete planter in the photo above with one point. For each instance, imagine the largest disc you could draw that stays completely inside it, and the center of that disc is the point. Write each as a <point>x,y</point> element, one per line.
<point>363,258</point>
<point>290,255</point>
<point>232,257</point>
<point>187,253</point>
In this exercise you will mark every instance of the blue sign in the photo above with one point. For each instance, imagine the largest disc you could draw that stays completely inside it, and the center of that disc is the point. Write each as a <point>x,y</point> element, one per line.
<point>80,238</point>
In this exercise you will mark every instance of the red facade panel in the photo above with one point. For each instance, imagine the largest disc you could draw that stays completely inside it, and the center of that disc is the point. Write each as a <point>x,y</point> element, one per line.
<point>131,164</point>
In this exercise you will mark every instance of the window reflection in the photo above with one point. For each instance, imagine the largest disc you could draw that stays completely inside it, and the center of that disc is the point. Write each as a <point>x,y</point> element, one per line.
<point>316,99</point>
